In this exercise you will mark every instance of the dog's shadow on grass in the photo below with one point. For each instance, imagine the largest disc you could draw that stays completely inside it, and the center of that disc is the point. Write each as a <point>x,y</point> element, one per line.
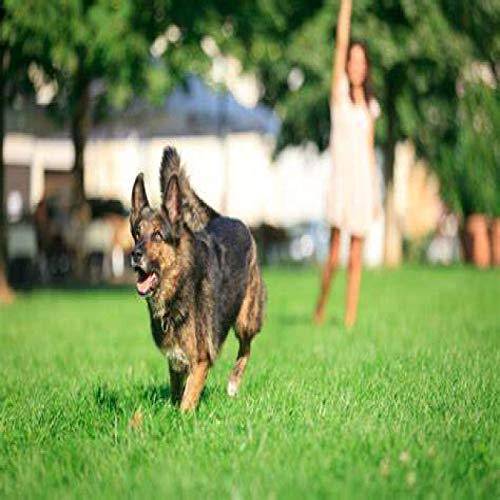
<point>161,393</point>
<point>125,400</point>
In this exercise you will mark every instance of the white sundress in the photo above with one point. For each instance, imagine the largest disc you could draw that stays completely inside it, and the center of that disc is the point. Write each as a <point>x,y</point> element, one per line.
<point>352,196</point>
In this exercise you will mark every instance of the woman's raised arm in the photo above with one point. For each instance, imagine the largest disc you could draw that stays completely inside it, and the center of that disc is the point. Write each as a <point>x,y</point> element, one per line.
<point>341,44</point>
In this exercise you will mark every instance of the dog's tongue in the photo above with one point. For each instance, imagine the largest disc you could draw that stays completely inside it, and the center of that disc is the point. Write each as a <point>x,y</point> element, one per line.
<point>145,285</point>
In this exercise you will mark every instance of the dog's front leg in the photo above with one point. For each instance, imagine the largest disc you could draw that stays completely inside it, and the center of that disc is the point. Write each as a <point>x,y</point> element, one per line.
<point>176,385</point>
<point>194,385</point>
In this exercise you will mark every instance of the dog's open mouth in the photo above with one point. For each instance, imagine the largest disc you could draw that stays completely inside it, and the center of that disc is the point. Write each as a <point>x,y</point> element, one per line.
<point>146,282</point>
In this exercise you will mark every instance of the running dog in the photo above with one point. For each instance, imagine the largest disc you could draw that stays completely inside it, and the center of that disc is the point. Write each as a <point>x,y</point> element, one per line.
<point>199,274</point>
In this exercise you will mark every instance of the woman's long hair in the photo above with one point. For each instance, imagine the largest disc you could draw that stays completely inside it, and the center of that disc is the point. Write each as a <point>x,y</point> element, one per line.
<point>367,84</point>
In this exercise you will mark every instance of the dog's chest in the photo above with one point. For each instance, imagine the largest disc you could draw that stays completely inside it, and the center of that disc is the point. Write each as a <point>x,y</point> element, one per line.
<point>170,344</point>
<point>177,358</point>
<point>168,340</point>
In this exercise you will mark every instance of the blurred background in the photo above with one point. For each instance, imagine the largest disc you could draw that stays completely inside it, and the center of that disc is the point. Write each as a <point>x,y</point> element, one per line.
<point>91,92</point>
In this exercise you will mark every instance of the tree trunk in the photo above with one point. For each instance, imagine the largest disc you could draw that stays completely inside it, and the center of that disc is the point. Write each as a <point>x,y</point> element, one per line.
<point>6,293</point>
<point>393,240</point>
<point>80,128</point>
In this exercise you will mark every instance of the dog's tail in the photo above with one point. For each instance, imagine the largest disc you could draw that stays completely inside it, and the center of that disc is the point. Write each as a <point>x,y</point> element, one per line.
<point>197,214</point>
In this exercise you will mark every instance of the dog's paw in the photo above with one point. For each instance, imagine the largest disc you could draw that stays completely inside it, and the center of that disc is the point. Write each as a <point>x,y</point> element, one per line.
<point>232,388</point>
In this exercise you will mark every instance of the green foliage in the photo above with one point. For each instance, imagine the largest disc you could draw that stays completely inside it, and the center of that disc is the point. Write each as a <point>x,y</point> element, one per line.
<point>17,53</point>
<point>471,171</point>
<point>405,405</point>
<point>74,40</point>
<point>99,55</point>
<point>415,51</point>
<point>107,44</point>
<point>479,21</point>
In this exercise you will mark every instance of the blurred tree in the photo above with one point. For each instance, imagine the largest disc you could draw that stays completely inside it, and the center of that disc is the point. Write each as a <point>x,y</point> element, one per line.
<point>471,169</point>
<point>83,47</point>
<point>6,294</point>
<point>479,21</point>
<point>470,165</point>
<point>12,61</point>
<point>99,54</point>
<point>95,55</point>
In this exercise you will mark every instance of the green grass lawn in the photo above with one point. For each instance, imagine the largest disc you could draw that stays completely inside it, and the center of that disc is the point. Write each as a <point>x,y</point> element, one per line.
<point>405,404</point>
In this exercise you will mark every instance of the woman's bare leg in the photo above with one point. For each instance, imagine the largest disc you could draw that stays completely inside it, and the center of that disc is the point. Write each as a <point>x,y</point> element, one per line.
<point>353,280</point>
<point>327,274</point>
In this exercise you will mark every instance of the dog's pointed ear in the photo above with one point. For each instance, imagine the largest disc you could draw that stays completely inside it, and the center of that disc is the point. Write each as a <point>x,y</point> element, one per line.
<point>172,204</point>
<point>139,197</point>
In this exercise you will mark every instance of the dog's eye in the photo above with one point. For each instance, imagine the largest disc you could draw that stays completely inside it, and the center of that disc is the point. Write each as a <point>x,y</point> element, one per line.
<point>157,236</point>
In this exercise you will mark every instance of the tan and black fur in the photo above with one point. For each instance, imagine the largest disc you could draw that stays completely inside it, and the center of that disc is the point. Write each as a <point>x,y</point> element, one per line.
<point>199,273</point>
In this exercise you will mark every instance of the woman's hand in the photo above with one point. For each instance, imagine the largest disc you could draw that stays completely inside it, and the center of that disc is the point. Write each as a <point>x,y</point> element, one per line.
<point>341,44</point>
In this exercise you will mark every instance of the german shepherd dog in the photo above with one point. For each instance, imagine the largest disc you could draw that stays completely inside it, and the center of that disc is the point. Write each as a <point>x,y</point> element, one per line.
<point>199,274</point>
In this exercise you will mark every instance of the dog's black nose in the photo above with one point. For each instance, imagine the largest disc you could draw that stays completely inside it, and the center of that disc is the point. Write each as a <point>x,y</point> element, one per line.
<point>136,255</point>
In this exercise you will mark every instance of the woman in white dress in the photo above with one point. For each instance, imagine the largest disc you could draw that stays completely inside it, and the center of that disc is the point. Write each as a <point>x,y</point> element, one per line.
<point>353,195</point>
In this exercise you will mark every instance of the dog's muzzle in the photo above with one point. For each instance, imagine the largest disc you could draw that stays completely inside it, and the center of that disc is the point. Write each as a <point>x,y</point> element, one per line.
<point>147,277</point>
<point>136,256</point>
